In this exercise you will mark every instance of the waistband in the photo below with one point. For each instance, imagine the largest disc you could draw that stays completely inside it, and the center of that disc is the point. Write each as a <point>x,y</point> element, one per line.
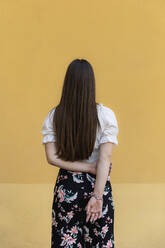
<point>68,172</point>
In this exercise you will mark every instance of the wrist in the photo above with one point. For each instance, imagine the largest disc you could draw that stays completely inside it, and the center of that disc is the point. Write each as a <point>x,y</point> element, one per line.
<point>98,193</point>
<point>97,196</point>
<point>88,167</point>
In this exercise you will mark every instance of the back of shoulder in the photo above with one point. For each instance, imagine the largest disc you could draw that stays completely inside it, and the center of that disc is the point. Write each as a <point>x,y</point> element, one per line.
<point>48,121</point>
<point>50,114</point>
<point>107,114</point>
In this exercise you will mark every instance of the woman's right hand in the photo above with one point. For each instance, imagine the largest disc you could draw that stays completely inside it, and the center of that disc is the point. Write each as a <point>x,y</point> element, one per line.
<point>93,167</point>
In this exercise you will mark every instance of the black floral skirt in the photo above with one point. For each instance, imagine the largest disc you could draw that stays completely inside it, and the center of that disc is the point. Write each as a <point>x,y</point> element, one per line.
<point>69,227</point>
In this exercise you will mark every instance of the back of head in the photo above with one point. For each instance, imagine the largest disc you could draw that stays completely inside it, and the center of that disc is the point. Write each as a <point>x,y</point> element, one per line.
<point>75,118</point>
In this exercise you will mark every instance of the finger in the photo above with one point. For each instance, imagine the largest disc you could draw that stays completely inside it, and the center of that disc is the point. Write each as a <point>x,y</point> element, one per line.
<point>92,217</point>
<point>95,218</point>
<point>87,208</point>
<point>100,214</point>
<point>88,216</point>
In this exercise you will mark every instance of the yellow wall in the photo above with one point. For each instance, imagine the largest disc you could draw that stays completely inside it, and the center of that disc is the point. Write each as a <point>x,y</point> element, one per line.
<point>124,41</point>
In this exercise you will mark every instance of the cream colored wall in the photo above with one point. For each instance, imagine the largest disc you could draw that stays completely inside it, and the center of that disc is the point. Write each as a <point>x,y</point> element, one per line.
<point>124,41</point>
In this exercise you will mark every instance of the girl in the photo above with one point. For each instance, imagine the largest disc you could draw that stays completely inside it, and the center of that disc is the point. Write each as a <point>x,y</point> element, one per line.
<point>79,135</point>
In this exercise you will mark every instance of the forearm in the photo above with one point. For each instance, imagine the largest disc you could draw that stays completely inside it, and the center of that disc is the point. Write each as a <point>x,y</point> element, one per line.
<point>102,172</point>
<point>68,165</point>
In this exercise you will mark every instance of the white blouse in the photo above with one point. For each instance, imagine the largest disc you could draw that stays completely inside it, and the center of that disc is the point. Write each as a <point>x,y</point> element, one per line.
<point>108,132</point>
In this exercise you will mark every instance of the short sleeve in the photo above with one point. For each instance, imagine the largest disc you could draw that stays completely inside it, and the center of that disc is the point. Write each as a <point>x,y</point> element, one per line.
<point>110,128</point>
<point>47,128</point>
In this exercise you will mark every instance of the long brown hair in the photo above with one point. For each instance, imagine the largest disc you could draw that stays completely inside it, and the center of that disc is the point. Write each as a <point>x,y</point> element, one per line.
<point>75,118</point>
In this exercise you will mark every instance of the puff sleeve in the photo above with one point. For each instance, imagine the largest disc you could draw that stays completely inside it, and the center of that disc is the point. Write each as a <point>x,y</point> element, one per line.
<point>47,128</point>
<point>110,128</point>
